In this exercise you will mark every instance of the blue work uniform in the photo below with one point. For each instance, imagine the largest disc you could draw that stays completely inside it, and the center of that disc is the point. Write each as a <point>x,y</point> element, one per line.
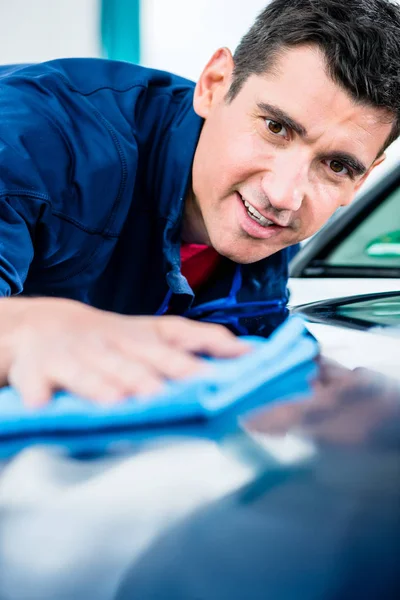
<point>95,164</point>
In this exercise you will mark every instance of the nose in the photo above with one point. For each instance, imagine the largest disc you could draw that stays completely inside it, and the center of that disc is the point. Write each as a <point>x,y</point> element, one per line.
<point>285,183</point>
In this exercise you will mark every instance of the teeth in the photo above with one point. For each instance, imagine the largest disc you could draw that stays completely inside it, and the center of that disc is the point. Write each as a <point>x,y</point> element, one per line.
<point>255,215</point>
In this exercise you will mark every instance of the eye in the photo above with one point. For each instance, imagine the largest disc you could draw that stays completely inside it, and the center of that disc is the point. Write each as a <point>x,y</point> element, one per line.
<point>276,128</point>
<point>338,167</point>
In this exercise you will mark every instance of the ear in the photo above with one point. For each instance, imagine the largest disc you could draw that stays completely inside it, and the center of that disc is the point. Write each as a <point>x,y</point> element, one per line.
<point>214,82</point>
<point>376,162</point>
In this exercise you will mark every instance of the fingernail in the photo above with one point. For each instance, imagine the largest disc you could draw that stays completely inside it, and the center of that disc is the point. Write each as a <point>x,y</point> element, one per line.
<point>112,396</point>
<point>35,402</point>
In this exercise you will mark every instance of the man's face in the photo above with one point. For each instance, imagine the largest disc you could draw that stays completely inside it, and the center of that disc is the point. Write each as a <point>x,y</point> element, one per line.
<point>275,163</point>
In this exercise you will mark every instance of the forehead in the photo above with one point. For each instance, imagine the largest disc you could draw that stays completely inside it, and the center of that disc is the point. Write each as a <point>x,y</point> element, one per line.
<point>299,85</point>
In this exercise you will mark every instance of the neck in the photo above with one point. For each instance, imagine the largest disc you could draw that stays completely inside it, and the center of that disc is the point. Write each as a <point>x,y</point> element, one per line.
<point>193,226</point>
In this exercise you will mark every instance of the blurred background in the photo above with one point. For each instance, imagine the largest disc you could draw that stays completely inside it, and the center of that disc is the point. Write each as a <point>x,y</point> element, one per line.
<point>175,35</point>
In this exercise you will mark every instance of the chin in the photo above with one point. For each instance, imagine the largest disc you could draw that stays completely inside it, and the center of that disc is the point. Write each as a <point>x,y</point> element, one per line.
<point>243,256</point>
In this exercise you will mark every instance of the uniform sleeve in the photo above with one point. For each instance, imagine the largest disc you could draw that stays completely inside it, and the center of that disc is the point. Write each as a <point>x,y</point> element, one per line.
<point>18,217</point>
<point>32,155</point>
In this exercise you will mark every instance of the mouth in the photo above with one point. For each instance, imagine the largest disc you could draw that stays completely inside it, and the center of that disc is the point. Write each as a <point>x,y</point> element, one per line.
<point>256,215</point>
<point>254,224</point>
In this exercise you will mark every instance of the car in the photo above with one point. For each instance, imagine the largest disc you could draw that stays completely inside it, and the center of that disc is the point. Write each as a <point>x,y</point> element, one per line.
<point>294,490</point>
<point>362,330</point>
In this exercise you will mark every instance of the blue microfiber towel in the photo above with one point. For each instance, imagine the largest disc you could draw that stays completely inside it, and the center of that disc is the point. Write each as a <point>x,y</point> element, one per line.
<point>226,383</point>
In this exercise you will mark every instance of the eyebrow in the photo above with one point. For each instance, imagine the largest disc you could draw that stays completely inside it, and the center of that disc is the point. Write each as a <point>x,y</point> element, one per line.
<point>348,159</point>
<point>282,117</point>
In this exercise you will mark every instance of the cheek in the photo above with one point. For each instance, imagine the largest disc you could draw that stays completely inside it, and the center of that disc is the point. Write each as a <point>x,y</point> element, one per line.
<point>325,201</point>
<point>224,159</point>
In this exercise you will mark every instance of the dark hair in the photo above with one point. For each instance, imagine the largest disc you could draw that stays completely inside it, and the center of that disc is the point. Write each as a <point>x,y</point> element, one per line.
<point>359,38</point>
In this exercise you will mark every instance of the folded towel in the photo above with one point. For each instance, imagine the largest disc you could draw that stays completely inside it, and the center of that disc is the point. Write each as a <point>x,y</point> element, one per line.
<point>226,383</point>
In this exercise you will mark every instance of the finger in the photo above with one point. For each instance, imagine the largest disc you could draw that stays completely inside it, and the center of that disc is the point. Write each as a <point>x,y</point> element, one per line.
<point>76,379</point>
<point>162,359</point>
<point>97,376</point>
<point>32,385</point>
<point>126,374</point>
<point>129,373</point>
<point>37,376</point>
<point>89,384</point>
<point>203,338</point>
<point>71,372</point>
<point>28,379</point>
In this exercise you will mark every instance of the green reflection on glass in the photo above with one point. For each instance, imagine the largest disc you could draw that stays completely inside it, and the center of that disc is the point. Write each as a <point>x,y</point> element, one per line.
<point>381,312</point>
<point>385,246</point>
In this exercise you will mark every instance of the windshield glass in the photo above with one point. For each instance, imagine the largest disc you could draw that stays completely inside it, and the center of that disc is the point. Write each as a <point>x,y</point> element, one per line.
<point>375,241</point>
<point>385,311</point>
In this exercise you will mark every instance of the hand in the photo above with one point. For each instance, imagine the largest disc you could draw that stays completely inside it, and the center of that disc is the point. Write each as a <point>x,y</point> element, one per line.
<point>62,344</point>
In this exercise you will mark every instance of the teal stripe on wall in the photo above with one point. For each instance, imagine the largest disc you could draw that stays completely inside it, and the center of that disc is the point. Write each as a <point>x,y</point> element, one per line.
<point>120,29</point>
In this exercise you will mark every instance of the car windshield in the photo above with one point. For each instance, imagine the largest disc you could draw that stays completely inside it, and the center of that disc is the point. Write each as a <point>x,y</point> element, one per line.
<point>362,311</point>
<point>385,311</point>
<point>375,241</point>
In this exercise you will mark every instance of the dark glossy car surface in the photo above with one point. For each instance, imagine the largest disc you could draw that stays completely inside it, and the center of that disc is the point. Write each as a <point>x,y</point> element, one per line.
<point>292,495</point>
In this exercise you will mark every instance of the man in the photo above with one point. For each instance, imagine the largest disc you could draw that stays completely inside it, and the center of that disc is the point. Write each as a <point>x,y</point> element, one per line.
<point>111,173</point>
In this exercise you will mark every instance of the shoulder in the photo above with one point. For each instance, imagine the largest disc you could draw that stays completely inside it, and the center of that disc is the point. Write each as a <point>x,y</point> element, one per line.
<point>87,76</point>
<point>89,94</point>
<point>77,127</point>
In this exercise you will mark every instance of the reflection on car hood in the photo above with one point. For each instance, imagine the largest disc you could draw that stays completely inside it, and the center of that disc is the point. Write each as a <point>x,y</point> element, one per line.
<point>198,512</point>
<point>375,350</point>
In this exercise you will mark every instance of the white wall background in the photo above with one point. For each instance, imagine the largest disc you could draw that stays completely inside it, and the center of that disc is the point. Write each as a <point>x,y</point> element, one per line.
<point>181,35</point>
<point>177,35</point>
<point>37,30</point>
